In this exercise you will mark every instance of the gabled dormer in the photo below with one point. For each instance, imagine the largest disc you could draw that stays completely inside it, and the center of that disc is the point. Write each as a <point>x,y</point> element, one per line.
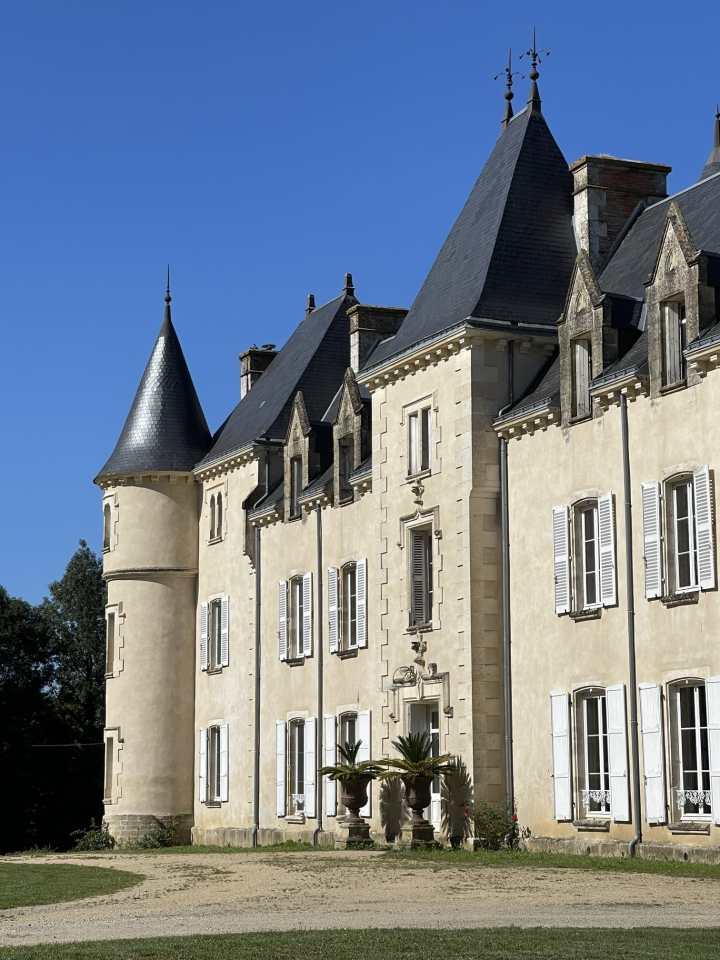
<point>350,437</point>
<point>581,333</point>
<point>307,455</point>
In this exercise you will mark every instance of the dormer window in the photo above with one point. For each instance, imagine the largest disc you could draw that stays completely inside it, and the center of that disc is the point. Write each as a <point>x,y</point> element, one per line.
<point>345,468</point>
<point>674,341</point>
<point>418,441</point>
<point>295,486</point>
<point>581,376</point>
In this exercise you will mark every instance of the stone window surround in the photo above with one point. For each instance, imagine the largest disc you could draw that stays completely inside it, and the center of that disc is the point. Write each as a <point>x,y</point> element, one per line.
<point>218,667</point>
<point>415,406</point>
<point>213,489</point>
<point>348,424</point>
<point>116,787</point>
<point>423,518</point>
<point>670,474</point>
<point>596,819</point>
<point>289,717</point>
<point>215,802</point>
<point>118,662</point>
<point>113,500</point>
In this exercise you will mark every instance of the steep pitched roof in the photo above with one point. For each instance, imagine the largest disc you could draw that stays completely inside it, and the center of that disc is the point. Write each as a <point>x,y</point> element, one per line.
<point>313,360</point>
<point>166,429</point>
<point>632,263</point>
<point>510,254</point>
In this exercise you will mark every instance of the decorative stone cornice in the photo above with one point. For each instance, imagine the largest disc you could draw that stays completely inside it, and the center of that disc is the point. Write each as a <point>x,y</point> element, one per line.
<point>704,357</point>
<point>131,480</point>
<point>227,464</point>
<point>138,573</point>
<point>630,384</point>
<point>265,518</point>
<point>528,421</point>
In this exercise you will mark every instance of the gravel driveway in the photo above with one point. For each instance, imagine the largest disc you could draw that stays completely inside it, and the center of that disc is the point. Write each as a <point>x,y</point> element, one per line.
<point>233,893</point>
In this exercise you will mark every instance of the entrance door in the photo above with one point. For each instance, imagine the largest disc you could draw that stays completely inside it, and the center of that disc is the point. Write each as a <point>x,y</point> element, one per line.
<point>426,717</point>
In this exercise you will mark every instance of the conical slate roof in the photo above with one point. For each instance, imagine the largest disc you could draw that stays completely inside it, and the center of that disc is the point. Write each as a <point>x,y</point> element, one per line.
<point>713,161</point>
<point>166,429</point>
<point>510,253</point>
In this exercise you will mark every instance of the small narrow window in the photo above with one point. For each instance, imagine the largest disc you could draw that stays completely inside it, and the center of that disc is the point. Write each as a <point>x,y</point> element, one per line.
<point>110,644</point>
<point>348,734</point>
<point>109,755</point>
<point>690,751</point>
<point>219,516</point>
<point>348,606</point>
<point>213,764</point>
<point>345,468</point>
<point>674,341</point>
<point>581,376</point>
<point>296,767</point>
<point>680,522</point>
<point>107,523</point>
<point>215,630</point>
<point>419,441</point>
<point>421,577</point>
<point>587,567</point>
<point>295,625</point>
<point>593,758</point>
<point>212,517</point>
<point>295,486</point>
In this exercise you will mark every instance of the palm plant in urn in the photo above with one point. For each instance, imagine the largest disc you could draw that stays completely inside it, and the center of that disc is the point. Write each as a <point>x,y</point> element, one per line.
<point>417,767</point>
<point>354,779</point>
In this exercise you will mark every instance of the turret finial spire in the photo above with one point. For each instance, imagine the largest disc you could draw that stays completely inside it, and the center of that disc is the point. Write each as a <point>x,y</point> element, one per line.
<point>536,57</point>
<point>349,288</point>
<point>310,303</point>
<point>712,166</point>
<point>168,298</point>
<point>509,75</point>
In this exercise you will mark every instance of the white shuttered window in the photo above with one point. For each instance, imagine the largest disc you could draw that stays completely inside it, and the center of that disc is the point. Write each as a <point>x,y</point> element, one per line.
<point>560,719</point>
<point>653,755</point>
<point>617,751</point>
<point>333,632</point>
<point>704,528</point>
<point>652,540</point>
<point>712,699</point>
<point>329,748</point>
<point>307,618</point>
<point>280,802</point>
<point>606,537</point>
<point>310,766</point>
<point>561,559</point>
<point>282,619</point>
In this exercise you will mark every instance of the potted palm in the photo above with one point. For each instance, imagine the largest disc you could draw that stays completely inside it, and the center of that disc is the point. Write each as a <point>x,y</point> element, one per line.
<point>417,767</point>
<point>353,778</point>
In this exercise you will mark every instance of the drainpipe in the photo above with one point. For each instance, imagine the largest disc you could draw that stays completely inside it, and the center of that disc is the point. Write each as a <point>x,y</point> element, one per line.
<point>505,589</point>
<point>258,635</point>
<point>319,723</point>
<point>630,589</point>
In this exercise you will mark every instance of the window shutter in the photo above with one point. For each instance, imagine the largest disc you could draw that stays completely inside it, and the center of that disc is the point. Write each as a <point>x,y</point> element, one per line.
<point>361,594</point>
<point>307,615</point>
<point>606,531</point>
<point>560,714</point>
<point>225,631</point>
<point>364,735</point>
<point>202,765</point>
<point>329,747</point>
<point>653,759</point>
<point>333,609</point>
<point>561,553</point>
<point>617,751</point>
<point>413,443</point>
<point>203,636</point>
<point>223,762</point>
<point>280,767</point>
<point>651,539</point>
<point>310,767</point>
<point>418,577</point>
<point>712,700</point>
<point>282,619</point>
<point>704,528</point>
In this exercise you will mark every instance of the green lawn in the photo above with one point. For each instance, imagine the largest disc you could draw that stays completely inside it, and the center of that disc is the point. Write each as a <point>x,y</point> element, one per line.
<point>502,944</point>
<point>25,884</point>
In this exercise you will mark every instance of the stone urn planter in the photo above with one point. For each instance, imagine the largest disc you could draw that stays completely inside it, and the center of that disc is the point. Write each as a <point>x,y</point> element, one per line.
<point>354,796</point>
<point>417,797</point>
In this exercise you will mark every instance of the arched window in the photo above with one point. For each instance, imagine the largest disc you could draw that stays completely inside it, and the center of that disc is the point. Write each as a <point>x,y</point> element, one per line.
<point>689,750</point>
<point>219,518</point>
<point>106,526</point>
<point>680,523</point>
<point>592,757</point>
<point>212,517</point>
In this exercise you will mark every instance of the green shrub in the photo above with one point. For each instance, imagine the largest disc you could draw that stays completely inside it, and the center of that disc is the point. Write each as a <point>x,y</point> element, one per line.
<point>496,827</point>
<point>93,838</point>
<point>163,835</point>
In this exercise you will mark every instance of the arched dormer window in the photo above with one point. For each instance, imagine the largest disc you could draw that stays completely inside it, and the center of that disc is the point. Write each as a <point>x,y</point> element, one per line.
<point>219,516</point>
<point>107,522</point>
<point>212,517</point>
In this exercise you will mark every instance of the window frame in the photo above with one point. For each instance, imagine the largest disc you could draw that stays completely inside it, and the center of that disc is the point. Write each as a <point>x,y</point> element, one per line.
<point>346,463</point>
<point>214,633</point>
<point>212,764</point>
<point>295,767</point>
<point>419,434</point>
<point>677,761</point>
<point>111,636</point>
<point>109,769</point>
<point>295,647</point>
<point>581,700</point>
<point>424,530</point>
<point>295,467</point>
<point>348,607</point>
<point>580,512</point>
<point>676,308</point>
<point>671,487</point>
<point>107,527</point>
<point>578,411</point>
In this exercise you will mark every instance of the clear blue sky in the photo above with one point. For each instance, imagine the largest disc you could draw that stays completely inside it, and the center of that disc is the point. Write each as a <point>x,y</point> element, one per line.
<point>262,150</point>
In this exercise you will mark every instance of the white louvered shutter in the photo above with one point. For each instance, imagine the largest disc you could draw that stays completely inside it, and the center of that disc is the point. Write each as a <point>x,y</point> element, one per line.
<point>310,767</point>
<point>561,559</point>
<point>280,802</point>
<point>333,609</point>
<point>202,765</point>
<point>712,700</point>
<point>224,766</point>
<point>203,636</point>
<point>617,752</point>
<point>704,528</point>
<point>225,631</point>
<point>652,540</point>
<point>361,594</point>
<point>364,734</point>
<point>307,624</point>
<point>282,619</point>
<point>560,714</point>
<point>329,747</point>
<point>606,531</point>
<point>653,757</point>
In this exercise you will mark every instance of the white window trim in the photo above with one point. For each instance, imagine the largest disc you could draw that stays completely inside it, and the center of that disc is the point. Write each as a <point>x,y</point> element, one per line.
<point>673,696</point>
<point>112,500</point>
<point>669,520</point>
<point>209,492</point>
<point>211,666</point>
<point>584,696</point>
<point>115,789</point>
<point>427,402</point>
<point>116,609</point>
<point>580,511</point>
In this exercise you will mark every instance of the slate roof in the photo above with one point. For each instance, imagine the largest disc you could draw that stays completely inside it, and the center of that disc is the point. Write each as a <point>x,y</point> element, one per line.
<point>510,253</point>
<point>313,360</point>
<point>545,391</point>
<point>633,261</point>
<point>166,429</point>
<point>330,415</point>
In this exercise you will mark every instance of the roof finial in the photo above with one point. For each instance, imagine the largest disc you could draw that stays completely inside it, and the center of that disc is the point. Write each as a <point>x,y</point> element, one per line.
<point>507,71</point>
<point>536,57</point>
<point>349,289</point>
<point>168,298</point>
<point>310,303</point>
<point>712,165</point>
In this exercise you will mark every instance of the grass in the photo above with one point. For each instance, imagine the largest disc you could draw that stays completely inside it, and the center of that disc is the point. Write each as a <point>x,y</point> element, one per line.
<point>27,884</point>
<point>506,943</point>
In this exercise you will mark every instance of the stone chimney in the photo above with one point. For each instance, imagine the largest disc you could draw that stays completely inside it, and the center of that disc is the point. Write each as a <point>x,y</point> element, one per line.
<point>368,326</point>
<point>253,363</point>
<point>606,191</point>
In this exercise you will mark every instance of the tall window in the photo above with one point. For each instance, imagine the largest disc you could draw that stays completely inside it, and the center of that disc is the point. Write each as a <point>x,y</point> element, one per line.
<point>674,341</point>
<point>109,755</point>
<point>212,517</point>
<point>107,524</point>
<point>347,731</point>
<point>215,632</point>
<point>296,767</point>
<point>418,441</point>
<point>587,567</point>
<point>421,576</point>
<point>691,761</point>
<point>348,606</point>
<point>581,377</point>
<point>219,516</point>
<point>110,643</point>
<point>213,764</point>
<point>593,762</point>
<point>345,467</point>
<point>295,486</point>
<point>680,507</point>
<point>295,621</point>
